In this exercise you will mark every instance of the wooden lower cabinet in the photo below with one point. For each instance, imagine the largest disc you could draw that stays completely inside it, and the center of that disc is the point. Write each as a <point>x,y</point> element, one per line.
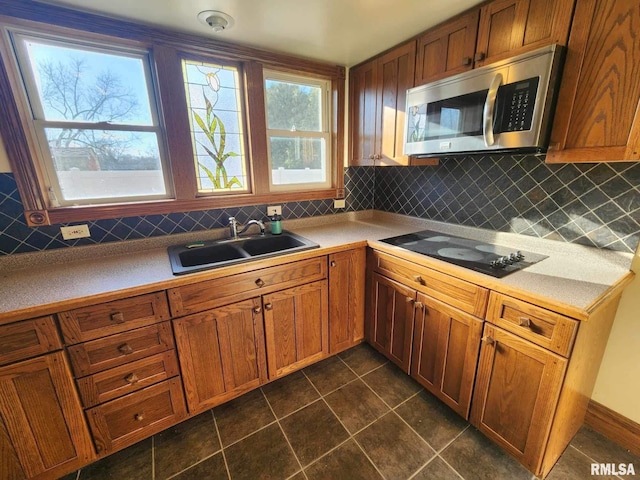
<point>222,353</point>
<point>445,352</point>
<point>42,430</point>
<point>390,315</point>
<point>517,389</point>
<point>296,327</point>
<point>346,299</point>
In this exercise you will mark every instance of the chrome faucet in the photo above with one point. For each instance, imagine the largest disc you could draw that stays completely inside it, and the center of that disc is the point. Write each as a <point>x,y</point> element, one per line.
<point>233,227</point>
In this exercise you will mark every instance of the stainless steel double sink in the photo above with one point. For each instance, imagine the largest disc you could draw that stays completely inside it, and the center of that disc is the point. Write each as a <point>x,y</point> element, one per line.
<point>199,256</point>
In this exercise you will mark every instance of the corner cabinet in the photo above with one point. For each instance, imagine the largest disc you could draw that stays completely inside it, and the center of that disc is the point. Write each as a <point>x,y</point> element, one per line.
<point>42,429</point>
<point>598,111</point>
<point>377,92</point>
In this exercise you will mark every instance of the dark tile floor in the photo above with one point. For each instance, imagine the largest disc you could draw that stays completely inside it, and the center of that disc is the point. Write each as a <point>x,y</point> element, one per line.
<point>352,416</point>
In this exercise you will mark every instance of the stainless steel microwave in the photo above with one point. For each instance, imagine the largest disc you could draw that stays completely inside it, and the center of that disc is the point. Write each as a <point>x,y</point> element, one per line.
<point>504,106</point>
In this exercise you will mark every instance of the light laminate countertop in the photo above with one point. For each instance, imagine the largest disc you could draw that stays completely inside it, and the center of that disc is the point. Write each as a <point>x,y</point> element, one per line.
<point>573,279</point>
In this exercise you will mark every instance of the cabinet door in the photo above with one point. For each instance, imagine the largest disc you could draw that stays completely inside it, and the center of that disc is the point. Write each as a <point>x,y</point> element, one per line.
<point>363,92</point>
<point>598,112</point>
<point>516,393</point>
<point>512,27</point>
<point>445,352</point>
<point>222,353</point>
<point>296,324</point>
<point>395,76</point>
<point>42,419</point>
<point>346,299</point>
<point>391,314</point>
<point>447,49</point>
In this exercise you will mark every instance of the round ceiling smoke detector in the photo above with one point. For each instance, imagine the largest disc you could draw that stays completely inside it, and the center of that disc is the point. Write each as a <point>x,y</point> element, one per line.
<point>218,21</point>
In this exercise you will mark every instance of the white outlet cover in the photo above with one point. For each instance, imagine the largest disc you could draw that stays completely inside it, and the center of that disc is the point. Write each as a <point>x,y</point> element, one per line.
<point>274,210</point>
<point>339,203</point>
<point>75,231</point>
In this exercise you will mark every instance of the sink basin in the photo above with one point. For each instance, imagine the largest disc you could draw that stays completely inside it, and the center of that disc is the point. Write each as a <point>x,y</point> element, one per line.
<point>270,244</point>
<point>207,255</point>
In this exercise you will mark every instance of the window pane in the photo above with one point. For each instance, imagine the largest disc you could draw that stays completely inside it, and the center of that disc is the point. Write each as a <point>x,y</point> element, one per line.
<point>99,164</point>
<point>293,106</point>
<point>297,160</point>
<point>215,110</point>
<point>84,85</point>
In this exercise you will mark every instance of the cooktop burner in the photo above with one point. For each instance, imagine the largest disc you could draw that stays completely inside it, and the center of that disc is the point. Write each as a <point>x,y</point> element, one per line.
<point>493,260</point>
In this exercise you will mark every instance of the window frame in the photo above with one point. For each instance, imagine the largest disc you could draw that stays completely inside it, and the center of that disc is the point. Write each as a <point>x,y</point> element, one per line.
<point>18,39</point>
<point>166,49</point>
<point>324,133</point>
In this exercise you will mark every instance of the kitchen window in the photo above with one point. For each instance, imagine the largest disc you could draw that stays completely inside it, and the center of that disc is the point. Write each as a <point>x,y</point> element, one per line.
<point>94,116</point>
<point>150,122</point>
<point>298,137</point>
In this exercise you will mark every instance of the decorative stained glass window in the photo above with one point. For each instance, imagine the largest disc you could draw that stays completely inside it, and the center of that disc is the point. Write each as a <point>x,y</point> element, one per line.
<point>216,118</point>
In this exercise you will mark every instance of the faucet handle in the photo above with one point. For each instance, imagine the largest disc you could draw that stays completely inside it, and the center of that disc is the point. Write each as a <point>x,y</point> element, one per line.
<point>232,220</point>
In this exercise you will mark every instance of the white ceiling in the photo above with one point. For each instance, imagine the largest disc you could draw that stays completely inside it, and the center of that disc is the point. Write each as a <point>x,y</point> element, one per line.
<point>337,31</point>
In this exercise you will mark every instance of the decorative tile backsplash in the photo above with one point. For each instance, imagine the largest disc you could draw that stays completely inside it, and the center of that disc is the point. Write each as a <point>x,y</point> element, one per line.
<point>17,237</point>
<point>591,204</point>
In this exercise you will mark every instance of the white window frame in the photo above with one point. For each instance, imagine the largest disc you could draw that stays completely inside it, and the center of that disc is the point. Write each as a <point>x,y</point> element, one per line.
<point>23,63</point>
<point>324,134</point>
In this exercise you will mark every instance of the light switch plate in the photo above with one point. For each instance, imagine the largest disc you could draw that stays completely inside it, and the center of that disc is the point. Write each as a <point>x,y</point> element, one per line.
<point>75,231</point>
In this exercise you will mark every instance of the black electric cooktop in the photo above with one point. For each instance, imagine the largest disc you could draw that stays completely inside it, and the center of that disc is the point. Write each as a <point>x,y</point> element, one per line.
<point>494,260</point>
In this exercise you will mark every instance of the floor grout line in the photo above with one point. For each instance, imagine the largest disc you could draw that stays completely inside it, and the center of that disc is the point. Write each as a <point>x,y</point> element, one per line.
<point>295,455</point>
<point>224,456</point>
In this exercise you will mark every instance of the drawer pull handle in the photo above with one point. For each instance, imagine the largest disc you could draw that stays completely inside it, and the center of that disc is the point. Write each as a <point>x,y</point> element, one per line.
<point>333,263</point>
<point>139,416</point>
<point>117,317</point>
<point>257,310</point>
<point>125,349</point>
<point>131,378</point>
<point>260,282</point>
<point>524,322</point>
<point>268,306</point>
<point>419,279</point>
<point>488,339</point>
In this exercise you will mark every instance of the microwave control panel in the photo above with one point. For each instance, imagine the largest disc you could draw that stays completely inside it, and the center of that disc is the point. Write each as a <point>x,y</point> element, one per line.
<point>514,104</point>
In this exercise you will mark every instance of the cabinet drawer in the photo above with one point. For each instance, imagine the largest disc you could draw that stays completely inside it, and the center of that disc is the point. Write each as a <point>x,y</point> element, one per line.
<point>126,420</point>
<point>542,327</point>
<point>22,340</point>
<point>466,296</point>
<point>98,355</point>
<point>125,379</point>
<point>95,321</point>
<point>214,293</point>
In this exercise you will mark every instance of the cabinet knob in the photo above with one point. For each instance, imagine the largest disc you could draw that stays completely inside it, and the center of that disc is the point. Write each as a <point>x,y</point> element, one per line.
<point>257,310</point>
<point>479,56</point>
<point>117,317</point>
<point>377,156</point>
<point>268,306</point>
<point>125,349</point>
<point>418,305</point>
<point>139,416</point>
<point>371,157</point>
<point>260,282</point>
<point>419,279</point>
<point>333,263</point>
<point>466,61</point>
<point>524,321</point>
<point>488,339</point>
<point>131,378</point>
<point>410,300</point>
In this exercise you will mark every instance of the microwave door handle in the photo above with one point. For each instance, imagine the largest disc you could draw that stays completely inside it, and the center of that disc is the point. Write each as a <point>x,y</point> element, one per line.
<point>489,108</point>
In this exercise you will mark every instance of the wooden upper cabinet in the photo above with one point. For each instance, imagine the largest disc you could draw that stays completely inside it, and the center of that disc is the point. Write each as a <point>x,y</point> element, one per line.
<point>346,298</point>
<point>447,49</point>
<point>378,91</point>
<point>512,27</point>
<point>42,426</point>
<point>222,353</point>
<point>296,324</point>
<point>598,111</point>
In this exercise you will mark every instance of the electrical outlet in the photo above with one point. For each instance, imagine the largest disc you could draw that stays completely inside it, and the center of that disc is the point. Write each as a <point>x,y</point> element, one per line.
<point>339,203</point>
<point>75,231</point>
<point>274,210</point>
